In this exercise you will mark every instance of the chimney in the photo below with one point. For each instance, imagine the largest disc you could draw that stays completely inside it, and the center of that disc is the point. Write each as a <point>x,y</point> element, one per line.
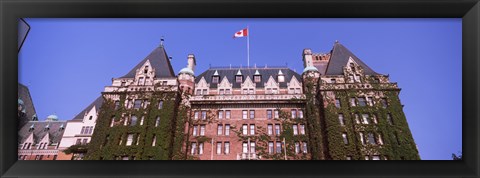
<point>307,58</point>
<point>191,62</point>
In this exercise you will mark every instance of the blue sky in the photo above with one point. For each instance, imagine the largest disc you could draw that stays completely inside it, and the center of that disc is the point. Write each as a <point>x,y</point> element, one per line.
<point>66,63</point>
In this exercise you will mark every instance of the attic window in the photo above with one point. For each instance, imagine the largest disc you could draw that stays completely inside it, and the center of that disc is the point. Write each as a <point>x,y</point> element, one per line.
<point>145,70</point>
<point>215,79</point>
<point>257,78</point>
<point>281,78</point>
<point>238,78</point>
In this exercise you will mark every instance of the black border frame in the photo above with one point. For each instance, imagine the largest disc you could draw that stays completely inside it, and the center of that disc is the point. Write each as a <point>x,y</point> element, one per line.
<point>468,10</point>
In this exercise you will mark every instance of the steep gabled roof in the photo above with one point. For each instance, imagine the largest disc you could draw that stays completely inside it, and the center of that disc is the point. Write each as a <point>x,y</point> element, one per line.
<point>54,132</point>
<point>231,73</point>
<point>24,95</point>
<point>339,59</point>
<point>97,103</point>
<point>159,61</point>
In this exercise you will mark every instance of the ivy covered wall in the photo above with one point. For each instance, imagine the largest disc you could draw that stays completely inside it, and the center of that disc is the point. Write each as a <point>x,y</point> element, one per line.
<point>109,143</point>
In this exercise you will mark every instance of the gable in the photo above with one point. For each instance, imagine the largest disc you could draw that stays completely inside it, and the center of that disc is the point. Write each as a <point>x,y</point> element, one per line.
<point>339,59</point>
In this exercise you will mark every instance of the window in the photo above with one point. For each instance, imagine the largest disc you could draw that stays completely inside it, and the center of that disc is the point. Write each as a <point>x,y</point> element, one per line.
<point>137,104</point>
<point>257,78</point>
<point>195,116</point>
<point>200,148</point>
<point>349,157</point>
<point>138,139</point>
<point>270,147</point>
<point>277,129</point>
<point>129,139</point>
<point>79,142</point>
<point>37,157</point>
<point>238,79</point>
<point>129,104</point>
<point>304,147</point>
<point>350,77</point>
<point>361,138</point>
<point>276,114</point>
<point>295,130</point>
<point>270,129</point>
<point>302,129</point>
<point>341,119</point>
<point>244,129</point>
<point>195,130</point>
<point>204,115</point>
<point>141,120</point>
<point>221,92</point>
<point>345,139</point>
<point>380,140</point>
<point>297,147</point>
<point>227,114</point>
<point>294,113</point>
<point>220,114</point>
<point>353,102</point>
<point>83,130</point>
<point>252,114</point>
<point>227,148</point>
<point>389,119</point>
<point>219,148</point>
<point>365,119</point>
<point>357,78</point>
<point>367,158</point>
<point>157,121</point>
<point>279,147</point>
<point>123,84</point>
<point>112,122</point>
<point>252,147</point>
<point>227,91</point>
<point>215,79</point>
<point>141,81</point>
<point>244,114</point>
<point>194,148</point>
<point>300,114</point>
<point>281,78</point>
<point>252,129</point>
<point>205,92</point>
<point>333,80</point>
<point>84,142</point>
<point>90,118</point>
<point>219,129</point>
<point>384,102</point>
<point>375,157</point>
<point>244,147</point>
<point>202,130</point>
<point>362,102</point>
<point>245,91</point>
<point>160,104</point>
<point>269,114</point>
<point>227,129</point>
<point>357,119</point>
<point>133,121</point>
<point>250,91</point>
<point>374,118</point>
<point>198,92</point>
<point>154,140</point>
<point>370,101</point>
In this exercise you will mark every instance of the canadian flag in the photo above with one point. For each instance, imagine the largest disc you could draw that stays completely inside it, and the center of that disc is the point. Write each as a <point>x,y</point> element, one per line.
<point>241,33</point>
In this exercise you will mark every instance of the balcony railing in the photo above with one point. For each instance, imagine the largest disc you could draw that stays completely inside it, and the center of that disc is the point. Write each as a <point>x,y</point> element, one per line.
<point>247,156</point>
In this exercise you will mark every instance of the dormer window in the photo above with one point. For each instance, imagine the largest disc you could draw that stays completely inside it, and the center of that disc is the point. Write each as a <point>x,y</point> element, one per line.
<point>257,78</point>
<point>239,79</point>
<point>281,78</point>
<point>215,79</point>
<point>333,81</point>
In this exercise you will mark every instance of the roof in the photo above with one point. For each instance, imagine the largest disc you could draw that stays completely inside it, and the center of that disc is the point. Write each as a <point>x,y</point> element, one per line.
<point>230,73</point>
<point>24,95</point>
<point>158,60</point>
<point>339,59</point>
<point>97,103</point>
<point>39,131</point>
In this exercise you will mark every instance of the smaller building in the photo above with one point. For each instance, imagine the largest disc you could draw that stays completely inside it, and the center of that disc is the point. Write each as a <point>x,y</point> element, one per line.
<point>39,140</point>
<point>78,131</point>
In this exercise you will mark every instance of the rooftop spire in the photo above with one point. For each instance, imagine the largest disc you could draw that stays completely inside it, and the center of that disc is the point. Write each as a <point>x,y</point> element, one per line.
<point>161,41</point>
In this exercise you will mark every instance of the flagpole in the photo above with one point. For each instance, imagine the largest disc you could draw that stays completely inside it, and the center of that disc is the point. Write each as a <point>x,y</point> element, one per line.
<point>248,47</point>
